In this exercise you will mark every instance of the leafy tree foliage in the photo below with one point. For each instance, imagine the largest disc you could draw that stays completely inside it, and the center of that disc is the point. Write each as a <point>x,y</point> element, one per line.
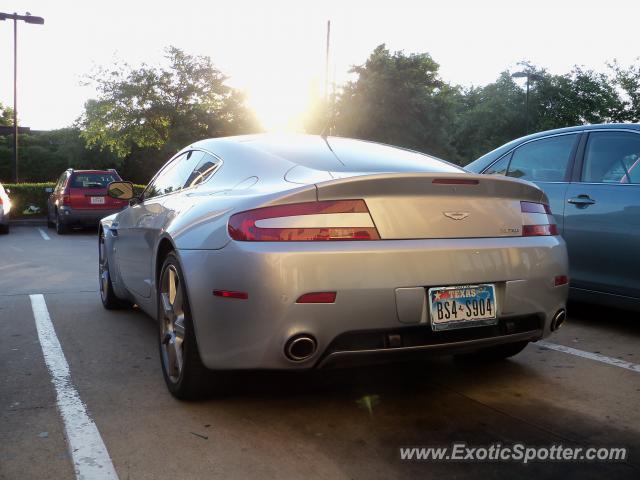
<point>143,115</point>
<point>398,99</point>
<point>6,115</point>
<point>163,108</point>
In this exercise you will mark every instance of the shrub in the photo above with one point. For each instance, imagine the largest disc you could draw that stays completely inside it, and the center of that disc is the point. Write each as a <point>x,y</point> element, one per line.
<point>23,195</point>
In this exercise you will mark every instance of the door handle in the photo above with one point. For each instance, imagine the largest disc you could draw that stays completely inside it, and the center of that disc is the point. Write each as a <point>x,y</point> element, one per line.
<point>582,200</point>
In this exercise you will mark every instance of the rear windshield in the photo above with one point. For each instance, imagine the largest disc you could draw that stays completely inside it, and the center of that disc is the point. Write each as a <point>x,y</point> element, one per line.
<point>338,154</point>
<point>92,180</point>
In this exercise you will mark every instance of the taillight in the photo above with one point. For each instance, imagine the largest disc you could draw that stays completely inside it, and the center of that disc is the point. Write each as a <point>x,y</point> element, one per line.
<point>66,199</point>
<point>299,222</point>
<point>537,230</point>
<point>538,220</point>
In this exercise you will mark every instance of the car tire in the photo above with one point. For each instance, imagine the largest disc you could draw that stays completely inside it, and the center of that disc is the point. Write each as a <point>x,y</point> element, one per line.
<point>184,373</point>
<point>110,300</point>
<point>4,229</point>
<point>50,223</point>
<point>61,228</point>
<point>499,352</point>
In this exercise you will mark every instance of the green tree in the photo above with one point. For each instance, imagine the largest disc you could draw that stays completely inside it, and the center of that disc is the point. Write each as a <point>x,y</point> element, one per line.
<point>487,117</point>
<point>578,97</point>
<point>6,115</point>
<point>162,108</point>
<point>399,99</point>
<point>628,80</point>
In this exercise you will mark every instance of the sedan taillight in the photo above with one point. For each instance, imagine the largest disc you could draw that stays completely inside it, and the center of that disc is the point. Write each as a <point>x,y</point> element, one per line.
<point>300,222</point>
<point>537,220</point>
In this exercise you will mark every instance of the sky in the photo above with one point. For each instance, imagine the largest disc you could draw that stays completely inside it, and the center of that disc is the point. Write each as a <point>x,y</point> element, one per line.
<point>275,50</point>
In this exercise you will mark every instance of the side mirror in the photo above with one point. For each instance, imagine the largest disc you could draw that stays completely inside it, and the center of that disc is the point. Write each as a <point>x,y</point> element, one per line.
<point>120,190</point>
<point>7,190</point>
<point>48,190</point>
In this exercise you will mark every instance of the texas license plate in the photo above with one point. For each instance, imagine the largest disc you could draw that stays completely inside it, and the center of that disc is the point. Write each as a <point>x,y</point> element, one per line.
<point>462,306</point>
<point>97,200</point>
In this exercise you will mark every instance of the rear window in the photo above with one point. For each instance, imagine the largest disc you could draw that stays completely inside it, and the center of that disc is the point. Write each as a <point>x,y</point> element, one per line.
<point>338,154</point>
<point>92,180</point>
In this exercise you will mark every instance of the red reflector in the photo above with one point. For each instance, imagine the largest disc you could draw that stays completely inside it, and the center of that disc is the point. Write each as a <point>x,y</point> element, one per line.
<point>231,294</point>
<point>455,181</point>
<point>539,230</point>
<point>533,207</point>
<point>317,297</point>
<point>560,280</point>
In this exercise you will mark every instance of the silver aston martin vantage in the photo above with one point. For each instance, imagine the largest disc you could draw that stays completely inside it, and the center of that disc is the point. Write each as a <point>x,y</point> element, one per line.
<point>301,252</point>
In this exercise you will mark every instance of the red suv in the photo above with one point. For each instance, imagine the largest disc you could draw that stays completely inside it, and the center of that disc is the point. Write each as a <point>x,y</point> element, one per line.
<point>80,199</point>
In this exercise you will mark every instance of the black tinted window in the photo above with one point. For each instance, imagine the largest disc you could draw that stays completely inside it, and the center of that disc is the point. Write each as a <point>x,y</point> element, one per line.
<point>172,177</point>
<point>205,167</point>
<point>612,157</point>
<point>92,180</point>
<point>543,160</point>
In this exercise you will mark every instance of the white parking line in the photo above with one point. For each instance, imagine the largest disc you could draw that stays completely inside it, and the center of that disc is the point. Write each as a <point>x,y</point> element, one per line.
<point>43,234</point>
<point>616,362</point>
<point>90,457</point>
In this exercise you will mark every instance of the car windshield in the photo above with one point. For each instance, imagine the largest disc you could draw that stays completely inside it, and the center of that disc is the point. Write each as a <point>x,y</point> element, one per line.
<point>92,180</point>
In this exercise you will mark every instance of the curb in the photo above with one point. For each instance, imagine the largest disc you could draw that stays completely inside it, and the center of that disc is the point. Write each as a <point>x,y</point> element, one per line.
<point>28,222</point>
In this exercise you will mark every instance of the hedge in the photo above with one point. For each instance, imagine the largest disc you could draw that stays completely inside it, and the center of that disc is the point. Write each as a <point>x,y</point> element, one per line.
<point>25,196</point>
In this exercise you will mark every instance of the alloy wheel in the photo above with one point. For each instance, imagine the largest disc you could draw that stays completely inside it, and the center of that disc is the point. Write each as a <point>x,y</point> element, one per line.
<point>172,330</point>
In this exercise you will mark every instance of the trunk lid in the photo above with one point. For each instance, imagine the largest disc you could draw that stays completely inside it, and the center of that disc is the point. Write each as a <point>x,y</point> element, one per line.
<point>437,205</point>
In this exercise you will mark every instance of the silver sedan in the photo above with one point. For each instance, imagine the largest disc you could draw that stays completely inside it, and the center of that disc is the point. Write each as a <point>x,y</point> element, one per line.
<point>301,252</point>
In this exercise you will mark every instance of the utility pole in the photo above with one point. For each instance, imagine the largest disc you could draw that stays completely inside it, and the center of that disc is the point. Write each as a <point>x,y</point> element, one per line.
<point>28,18</point>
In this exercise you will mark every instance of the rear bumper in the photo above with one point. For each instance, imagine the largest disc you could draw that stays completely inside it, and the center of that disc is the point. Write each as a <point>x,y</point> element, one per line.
<point>84,217</point>
<point>383,354</point>
<point>252,333</point>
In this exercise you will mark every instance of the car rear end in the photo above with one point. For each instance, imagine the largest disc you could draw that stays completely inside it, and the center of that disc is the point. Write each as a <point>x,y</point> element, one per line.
<point>85,201</point>
<point>380,267</point>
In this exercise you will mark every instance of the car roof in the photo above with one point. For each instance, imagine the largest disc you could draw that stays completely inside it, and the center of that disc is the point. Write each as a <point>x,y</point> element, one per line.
<point>489,157</point>
<point>336,154</point>
<point>95,171</point>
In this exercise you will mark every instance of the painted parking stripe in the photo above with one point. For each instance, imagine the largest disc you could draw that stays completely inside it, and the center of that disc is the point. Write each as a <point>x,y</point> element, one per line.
<point>88,452</point>
<point>616,362</point>
<point>43,234</point>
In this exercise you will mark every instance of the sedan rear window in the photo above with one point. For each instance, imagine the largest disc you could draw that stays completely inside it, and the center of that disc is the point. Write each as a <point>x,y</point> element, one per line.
<point>92,180</point>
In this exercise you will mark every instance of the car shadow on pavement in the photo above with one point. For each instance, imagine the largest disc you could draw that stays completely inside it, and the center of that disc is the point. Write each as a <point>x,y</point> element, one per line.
<point>625,322</point>
<point>362,416</point>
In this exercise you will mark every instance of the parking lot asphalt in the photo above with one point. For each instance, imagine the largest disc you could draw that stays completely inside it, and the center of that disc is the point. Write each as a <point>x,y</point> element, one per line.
<point>346,424</point>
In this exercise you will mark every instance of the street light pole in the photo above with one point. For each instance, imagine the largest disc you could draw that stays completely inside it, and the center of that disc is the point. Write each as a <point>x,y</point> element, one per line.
<point>530,76</point>
<point>15,97</point>
<point>28,18</point>
<point>526,128</point>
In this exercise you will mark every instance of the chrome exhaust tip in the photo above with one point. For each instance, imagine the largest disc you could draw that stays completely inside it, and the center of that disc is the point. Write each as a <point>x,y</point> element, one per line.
<point>300,347</point>
<point>558,319</point>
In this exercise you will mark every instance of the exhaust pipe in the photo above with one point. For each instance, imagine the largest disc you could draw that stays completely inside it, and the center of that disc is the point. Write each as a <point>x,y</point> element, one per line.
<point>300,347</point>
<point>558,319</point>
